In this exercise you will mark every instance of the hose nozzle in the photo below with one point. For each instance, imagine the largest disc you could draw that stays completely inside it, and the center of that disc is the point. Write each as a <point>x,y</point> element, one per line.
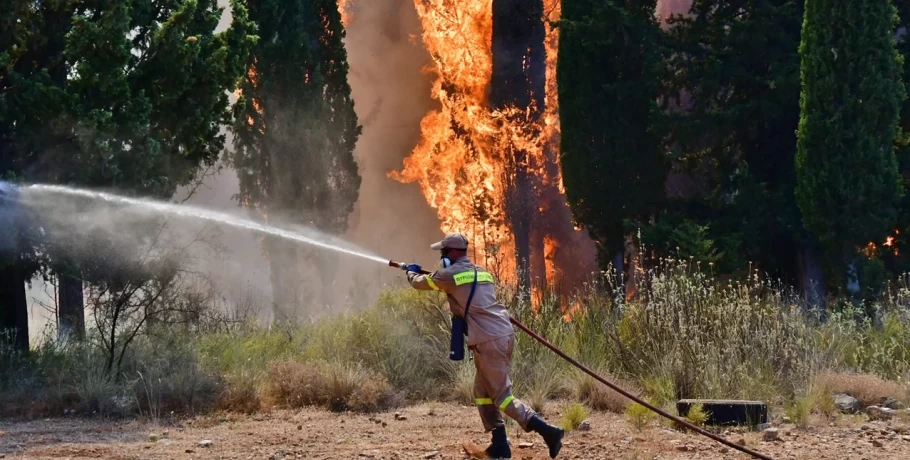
<point>400,265</point>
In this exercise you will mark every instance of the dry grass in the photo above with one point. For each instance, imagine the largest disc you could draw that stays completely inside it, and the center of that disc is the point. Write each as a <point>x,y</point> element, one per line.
<point>241,392</point>
<point>867,388</point>
<point>601,397</point>
<point>294,384</point>
<point>338,387</point>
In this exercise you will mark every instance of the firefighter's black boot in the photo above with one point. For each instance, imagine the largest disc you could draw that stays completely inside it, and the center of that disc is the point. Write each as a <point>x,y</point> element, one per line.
<point>551,435</point>
<point>500,446</point>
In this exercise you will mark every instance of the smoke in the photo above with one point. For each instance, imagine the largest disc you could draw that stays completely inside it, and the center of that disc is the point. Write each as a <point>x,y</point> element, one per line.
<point>391,95</point>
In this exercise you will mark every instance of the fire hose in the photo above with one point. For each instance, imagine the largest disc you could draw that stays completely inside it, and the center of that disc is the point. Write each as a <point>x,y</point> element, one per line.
<point>616,388</point>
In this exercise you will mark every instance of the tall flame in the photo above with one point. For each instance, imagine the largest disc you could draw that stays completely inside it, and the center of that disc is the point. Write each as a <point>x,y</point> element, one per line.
<point>459,162</point>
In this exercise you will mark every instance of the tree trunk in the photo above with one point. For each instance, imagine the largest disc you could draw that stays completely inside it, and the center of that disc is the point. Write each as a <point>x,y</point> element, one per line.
<point>519,79</point>
<point>618,265</point>
<point>13,306</point>
<point>812,280</point>
<point>70,308</point>
<point>285,285</point>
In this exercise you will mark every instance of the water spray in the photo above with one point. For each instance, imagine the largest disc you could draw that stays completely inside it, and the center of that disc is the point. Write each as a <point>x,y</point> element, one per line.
<point>181,211</point>
<point>585,369</point>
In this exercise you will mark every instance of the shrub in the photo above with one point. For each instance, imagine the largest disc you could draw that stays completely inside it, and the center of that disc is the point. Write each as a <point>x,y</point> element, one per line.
<point>241,391</point>
<point>295,384</point>
<point>575,414</point>
<point>638,415</point>
<point>697,414</point>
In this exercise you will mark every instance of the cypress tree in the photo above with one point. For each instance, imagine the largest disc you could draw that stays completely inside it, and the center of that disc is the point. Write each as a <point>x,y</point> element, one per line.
<point>609,74</point>
<point>296,129</point>
<point>847,176</point>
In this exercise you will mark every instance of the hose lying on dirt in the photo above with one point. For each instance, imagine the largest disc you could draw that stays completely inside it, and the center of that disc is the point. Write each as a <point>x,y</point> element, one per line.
<point>619,390</point>
<point>633,398</point>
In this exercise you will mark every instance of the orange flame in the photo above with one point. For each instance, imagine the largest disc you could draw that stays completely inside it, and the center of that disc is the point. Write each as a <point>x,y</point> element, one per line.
<point>459,163</point>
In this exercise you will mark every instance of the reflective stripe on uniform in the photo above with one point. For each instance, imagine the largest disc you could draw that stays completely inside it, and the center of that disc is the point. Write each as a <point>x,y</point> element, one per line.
<point>505,402</point>
<point>483,402</point>
<point>431,283</point>
<point>468,277</point>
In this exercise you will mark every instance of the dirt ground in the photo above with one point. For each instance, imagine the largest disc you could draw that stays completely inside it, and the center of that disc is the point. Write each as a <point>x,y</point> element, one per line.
<point>425,431</point>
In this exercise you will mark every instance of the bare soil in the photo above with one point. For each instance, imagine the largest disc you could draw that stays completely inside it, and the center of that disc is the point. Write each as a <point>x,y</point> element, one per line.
<point>428,431</point>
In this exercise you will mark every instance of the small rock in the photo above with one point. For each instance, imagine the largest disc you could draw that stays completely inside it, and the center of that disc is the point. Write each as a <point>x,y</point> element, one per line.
<point>787,420</point>
<point>762,426</point>
<point>153,437</point>
<point>190,451</point>
<point>205,443</point>
<point>905,438</point>
<point>525,445</point>
<point>771,434</point>
<point>877,443</point>
<point>880,413</point>
<point>683,448</point>
<point>398,416</point>
<point>741,441</point>
<point>340,441</point>
<point>724,449</point>
<point>433,454</point>
<point>890,403</point>
<point>865,427</point>
<point>299,427</point>
<point>585,426</point>
<point>165,433</point>
<point>846,403</point>
<point>384,424</point>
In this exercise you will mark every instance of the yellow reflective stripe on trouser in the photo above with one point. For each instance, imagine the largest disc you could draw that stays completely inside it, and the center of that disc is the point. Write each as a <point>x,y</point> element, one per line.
<point>483,402</point>
<point>468,277</point>
<point>505,402</point>
<point>431,283</point>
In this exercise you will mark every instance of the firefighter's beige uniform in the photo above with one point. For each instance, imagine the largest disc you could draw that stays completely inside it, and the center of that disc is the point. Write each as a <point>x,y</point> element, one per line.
<point>490,336</point>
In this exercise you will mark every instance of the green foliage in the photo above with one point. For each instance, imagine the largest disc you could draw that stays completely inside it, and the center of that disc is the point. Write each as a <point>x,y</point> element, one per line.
<point>294,133</point>
<point>847,177</point>
<point>609,70</point>
<point>638,415</point>
<point>575,414</point>
<point>140,113</point>
<point>735,74</point>
<point>697,414</point>
<point>295,125</point>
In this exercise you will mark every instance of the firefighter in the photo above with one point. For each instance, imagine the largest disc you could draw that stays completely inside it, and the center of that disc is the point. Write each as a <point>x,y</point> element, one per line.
<point>491,338</point>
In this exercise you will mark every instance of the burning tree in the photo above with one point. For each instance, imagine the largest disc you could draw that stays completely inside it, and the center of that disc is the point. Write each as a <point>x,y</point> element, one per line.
<point>296,129</point>
<point>488,157</point>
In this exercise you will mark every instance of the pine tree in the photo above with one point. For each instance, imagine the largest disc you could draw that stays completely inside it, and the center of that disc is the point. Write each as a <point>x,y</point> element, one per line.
<point>296,129</point>
<point>609,74</point>
<point>140,113</point>
<point>847,177</point>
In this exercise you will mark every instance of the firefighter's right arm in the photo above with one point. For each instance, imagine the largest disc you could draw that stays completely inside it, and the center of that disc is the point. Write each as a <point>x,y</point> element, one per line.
<point>437,281</point>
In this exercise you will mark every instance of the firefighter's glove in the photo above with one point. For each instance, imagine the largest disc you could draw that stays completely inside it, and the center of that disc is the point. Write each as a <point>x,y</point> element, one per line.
<point>414,268</point>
